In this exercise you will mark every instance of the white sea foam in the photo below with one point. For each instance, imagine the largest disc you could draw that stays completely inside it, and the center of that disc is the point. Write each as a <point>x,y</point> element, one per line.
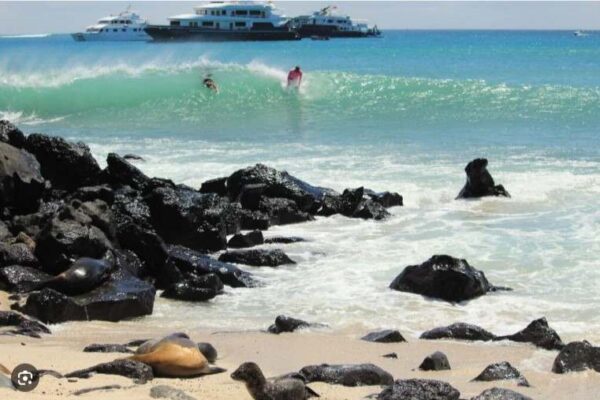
<point>20,118</point>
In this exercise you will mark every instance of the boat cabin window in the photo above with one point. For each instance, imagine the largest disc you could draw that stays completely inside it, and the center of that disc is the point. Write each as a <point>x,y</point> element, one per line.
<point>255,13</point>
<point>128,22</point>
<point>241,12</point>
<point>194,24</point>
<point>240,24</point>
<point>330,21</point>
<point>175,23</point>
<point>115,30</point>
<point>208,23</point>
<point>124,29</point>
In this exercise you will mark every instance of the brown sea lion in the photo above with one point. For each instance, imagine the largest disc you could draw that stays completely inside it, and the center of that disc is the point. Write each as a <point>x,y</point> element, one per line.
<point>82,276</point>
<point>285,388</point>
<point>174,356</point>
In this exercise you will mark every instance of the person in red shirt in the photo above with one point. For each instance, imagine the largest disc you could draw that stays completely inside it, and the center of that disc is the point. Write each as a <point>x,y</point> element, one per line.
<point>294,77</point>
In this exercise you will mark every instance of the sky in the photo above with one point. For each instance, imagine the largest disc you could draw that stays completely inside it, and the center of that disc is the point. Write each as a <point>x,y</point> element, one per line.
<point>36,17</point>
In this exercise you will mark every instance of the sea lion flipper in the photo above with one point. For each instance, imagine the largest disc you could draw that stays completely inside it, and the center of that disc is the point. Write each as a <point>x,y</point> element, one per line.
<point>311,393</point>
<point>215,370</point>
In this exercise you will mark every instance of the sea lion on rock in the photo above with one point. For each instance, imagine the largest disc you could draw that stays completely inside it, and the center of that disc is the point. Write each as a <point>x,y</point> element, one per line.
<point>84,275</point>
<point>174,356</point>
<point>274,389</point>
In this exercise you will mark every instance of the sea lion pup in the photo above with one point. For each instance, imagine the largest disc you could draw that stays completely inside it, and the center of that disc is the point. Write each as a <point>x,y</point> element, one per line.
<point>174,356</point>
<point>260,388</point>
<point>82,276</point>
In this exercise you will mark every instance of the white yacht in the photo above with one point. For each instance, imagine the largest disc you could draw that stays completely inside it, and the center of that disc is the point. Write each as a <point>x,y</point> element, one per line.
<point>227,20</point>
<point>127,26</point>
<point>328,23</point>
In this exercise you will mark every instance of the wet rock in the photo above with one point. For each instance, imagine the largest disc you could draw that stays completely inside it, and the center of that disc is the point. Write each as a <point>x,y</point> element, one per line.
<point>133,157</point>
<point>22,325</point>
<point>32,224</point>
<point>106,348</point>
<point>284,323</point>
<point>179,215</point>
<point>62,241</point>
<point>421,389</point>
<point>283,211</point>
<point>479,182</point>
<point>189,290</point>
<point>538,333</point>
<point>577,356</point>
<point>101,216</point>
<point>139,372</point>
<point>129,207</point>
<point>17,254</point>
<point>208,351</point>
<point>250,220</point>
<point>168,392</point>
<point>353,203</point>
<point>190,262</point>
<point>257,258</point>
<point>21,182</point>
<point>250,196</point>
<point>218,186</point>
<point>501,371</point>
<point>12,135</point>
<point>500,394</point>
<point>67,165</point>
<point>121,172</point>
<point>385,336</point>
<point>459,331</point>
<point>20,279</point>
<point>284,240</point>
<point>386,199</point>
<point>250,239</point>
<point>91,193</point>
<point>347,374</point>
<point>435,362</point>
<point>128,261</point>
<point>443,277</point>
<point>122,296</point>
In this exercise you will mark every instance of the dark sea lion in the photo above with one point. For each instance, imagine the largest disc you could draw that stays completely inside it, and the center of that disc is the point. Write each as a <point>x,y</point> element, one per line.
<point>174,356</point>
<point>84,275</point>
<point>286,388</point>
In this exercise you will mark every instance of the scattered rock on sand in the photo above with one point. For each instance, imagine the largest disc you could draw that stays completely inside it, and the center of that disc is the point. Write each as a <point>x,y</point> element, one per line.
<point>459,331</point>
<point>443,277</point>
<point>257,258</point>
<point>139,372</point>
<point>539,333</point>
<point>501,371</point>
<point>421,389</point>
<point>500,394</point>
<point>390,355</point>
<point>577,356</point>
<point>250,239</point>
<point>106,348</point>
<point>479,182</point>
<point>169,392</point>
<point>347,374</point>
<point>435,362</point>
<point>385,336</point>
<point>284,323</point>
<point>22,325</point>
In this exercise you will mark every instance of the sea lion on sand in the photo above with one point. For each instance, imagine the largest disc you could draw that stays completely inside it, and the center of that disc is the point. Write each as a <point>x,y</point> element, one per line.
<point>82,276</point>
<point>260,388</point>
<point>174,356</point>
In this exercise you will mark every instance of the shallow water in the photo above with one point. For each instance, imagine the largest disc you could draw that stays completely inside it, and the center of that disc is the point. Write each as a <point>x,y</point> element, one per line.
<point>402,113</point>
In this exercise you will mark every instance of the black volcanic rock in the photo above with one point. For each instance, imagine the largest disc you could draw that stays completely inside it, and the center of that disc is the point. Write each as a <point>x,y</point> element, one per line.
<point>287,324</point>
<point>386,336</point>
<point>21,182</point>
<point>17,254</point>
<point>217,185</point>
<point>577,356</point>
<point>67,165</point>
<point>459,331</point>
<point>4,231</point>
<point>91,193</point>
<point>443,277</point>
<point>500,394</point>
<point>386,199</point>
<point>250,220</point>
<point>479,182</point>
<point>257,258</point>
<point>20,279</point>
<point>139,372</point>
<point>347,374</point>
<point>284,240</point>
<point>435,362</point>
<point>249,239</point>
<point>190,262</point>
<point>501,371</point>
<point>12,135</point>
<point>419,389</point>
<point>283,211</point>
<point>538,333</point>
<point>250,195</point>
<point>106,348</point>
<point>193,288</point>
<point>22,325</point>
<point>120,171</point>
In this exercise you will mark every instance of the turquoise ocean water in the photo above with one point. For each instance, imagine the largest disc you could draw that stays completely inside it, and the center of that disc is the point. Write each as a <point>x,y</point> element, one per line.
<point>405,112</point>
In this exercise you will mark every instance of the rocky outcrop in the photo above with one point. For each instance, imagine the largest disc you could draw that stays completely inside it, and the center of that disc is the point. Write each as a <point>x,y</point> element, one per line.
<point>501,371</point>
<point>354,203</point>
<point>435,362</point>
<point>20,279</point>
<point>347,374</point>
<point>17,254</point>
<point>479,182</point>
<point>443,277</point>
<point>421,389</point>
<point>538,333</point>
<point>21,182</point>
<point>576,357</point>
<point>459,331</point>
<point>217,185</point>
<point>500,394</point>
<point>250,239</point>
<point>121,172</point>
<point>385,336</point>
<point>257,258</point>
<point>12,135</point>
<point>67,165</point>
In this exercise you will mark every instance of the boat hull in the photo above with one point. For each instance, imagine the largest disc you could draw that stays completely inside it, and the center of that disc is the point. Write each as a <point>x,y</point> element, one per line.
<point>162,33</point>
<point>96,37</point>
<point>309,31</point>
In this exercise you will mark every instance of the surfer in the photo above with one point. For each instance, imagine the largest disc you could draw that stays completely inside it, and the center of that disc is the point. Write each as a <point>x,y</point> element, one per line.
<point>294,78</point>
<point>210,84</point>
